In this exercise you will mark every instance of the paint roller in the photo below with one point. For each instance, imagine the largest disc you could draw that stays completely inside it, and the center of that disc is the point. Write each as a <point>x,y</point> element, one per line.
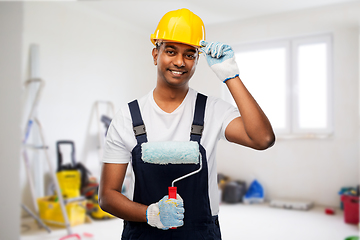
<point>172,153</point>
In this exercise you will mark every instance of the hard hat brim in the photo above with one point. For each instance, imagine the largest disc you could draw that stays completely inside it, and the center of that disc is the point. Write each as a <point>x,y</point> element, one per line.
<point>153,40</point>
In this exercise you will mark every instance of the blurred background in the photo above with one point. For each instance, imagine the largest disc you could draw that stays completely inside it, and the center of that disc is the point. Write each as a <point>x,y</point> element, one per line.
<point>300,60</point>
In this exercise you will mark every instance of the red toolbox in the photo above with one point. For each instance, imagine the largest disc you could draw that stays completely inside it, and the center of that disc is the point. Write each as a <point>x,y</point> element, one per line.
<point>351,208</point>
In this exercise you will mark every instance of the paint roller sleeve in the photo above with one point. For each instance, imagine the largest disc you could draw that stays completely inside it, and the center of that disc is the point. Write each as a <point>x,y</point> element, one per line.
<point>170,152</point>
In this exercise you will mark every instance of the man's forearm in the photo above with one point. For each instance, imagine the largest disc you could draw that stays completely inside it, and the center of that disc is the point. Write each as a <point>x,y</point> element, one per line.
<point>257,125</point>
<point>120,206</point>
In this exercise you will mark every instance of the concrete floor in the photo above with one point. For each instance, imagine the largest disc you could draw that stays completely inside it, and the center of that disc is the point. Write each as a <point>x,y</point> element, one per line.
<point>239,221</point>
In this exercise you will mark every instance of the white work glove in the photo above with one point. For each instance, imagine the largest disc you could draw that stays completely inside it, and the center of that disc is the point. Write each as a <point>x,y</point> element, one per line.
<point>167,213</point>
<point>221,59</point>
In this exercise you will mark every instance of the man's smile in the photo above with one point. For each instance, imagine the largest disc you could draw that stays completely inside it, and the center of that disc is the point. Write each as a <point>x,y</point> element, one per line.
<point>177,72</point>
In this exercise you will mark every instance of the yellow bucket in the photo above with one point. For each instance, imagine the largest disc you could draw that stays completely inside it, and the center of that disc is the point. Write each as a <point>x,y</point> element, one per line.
<point>51,214</point>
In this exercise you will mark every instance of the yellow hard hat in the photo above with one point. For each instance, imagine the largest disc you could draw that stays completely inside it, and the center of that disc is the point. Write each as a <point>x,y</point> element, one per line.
<point>180,26</point>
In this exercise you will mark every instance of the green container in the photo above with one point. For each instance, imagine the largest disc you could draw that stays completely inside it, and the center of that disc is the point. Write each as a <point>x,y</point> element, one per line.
<point>352,238</point>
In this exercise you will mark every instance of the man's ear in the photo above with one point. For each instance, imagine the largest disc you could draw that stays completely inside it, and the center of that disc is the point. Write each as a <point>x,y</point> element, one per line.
<point>155,53</point>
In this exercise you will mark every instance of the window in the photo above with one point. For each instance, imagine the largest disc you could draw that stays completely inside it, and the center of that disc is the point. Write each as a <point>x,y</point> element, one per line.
<point>291,81</point>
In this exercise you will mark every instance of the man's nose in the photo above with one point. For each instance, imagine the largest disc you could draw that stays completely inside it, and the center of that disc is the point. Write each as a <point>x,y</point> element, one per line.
<point>179,61</point>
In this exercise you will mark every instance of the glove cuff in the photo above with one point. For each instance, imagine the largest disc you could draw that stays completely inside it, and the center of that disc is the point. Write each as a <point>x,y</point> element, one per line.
<point>226,70</point>
<point>153,216</point>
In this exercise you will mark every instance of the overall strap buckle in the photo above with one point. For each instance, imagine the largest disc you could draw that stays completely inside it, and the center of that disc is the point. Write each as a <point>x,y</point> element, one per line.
<point>138,124</point>
<point>197,127</point>
<point>139,130</point>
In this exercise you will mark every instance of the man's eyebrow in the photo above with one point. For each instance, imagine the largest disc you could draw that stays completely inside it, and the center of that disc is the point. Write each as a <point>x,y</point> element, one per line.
<point>175,48</point>
<point>170,46</point>
<point>191,50</point>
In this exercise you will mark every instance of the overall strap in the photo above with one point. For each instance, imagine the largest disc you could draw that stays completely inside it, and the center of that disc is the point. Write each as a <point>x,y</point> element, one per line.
<point>198,122</point>
<point>138,124</point>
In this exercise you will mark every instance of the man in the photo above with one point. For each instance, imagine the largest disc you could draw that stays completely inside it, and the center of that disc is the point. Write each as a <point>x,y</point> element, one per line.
<point>173,112</point>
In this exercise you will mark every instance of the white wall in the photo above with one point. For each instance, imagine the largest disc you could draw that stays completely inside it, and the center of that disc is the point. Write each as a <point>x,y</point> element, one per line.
<point>10,105</point>
<point>84,57</point>
<point>305,169</point>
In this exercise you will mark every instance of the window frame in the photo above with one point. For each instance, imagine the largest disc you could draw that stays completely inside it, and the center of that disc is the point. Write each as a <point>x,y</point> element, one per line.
<point>292,128</point>
<point>327,39</point>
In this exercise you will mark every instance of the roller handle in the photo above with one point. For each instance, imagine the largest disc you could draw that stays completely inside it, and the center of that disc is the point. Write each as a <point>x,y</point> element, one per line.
<point>172,195</point>
<point>172,192</point>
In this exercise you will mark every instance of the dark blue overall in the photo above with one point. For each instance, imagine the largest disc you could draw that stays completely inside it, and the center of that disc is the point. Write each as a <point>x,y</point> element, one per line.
<point>152,182</point>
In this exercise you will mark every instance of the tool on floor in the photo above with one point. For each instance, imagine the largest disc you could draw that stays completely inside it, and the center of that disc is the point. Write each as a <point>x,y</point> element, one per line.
<point>172,153</point>
<point>255,193</point>
<point>329,211</point>
<point>92,205</point>
<point>291,204</point>
<point>72,176</point>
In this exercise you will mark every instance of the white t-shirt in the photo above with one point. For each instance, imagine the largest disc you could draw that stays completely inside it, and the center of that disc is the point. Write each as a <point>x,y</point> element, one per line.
<point>175,126</point>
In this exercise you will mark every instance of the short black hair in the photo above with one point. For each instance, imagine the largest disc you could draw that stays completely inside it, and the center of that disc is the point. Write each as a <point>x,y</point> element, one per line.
<point>158,44</point>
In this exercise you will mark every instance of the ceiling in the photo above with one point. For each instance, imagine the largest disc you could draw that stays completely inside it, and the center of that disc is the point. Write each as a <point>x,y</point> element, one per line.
<point>145,15</point>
